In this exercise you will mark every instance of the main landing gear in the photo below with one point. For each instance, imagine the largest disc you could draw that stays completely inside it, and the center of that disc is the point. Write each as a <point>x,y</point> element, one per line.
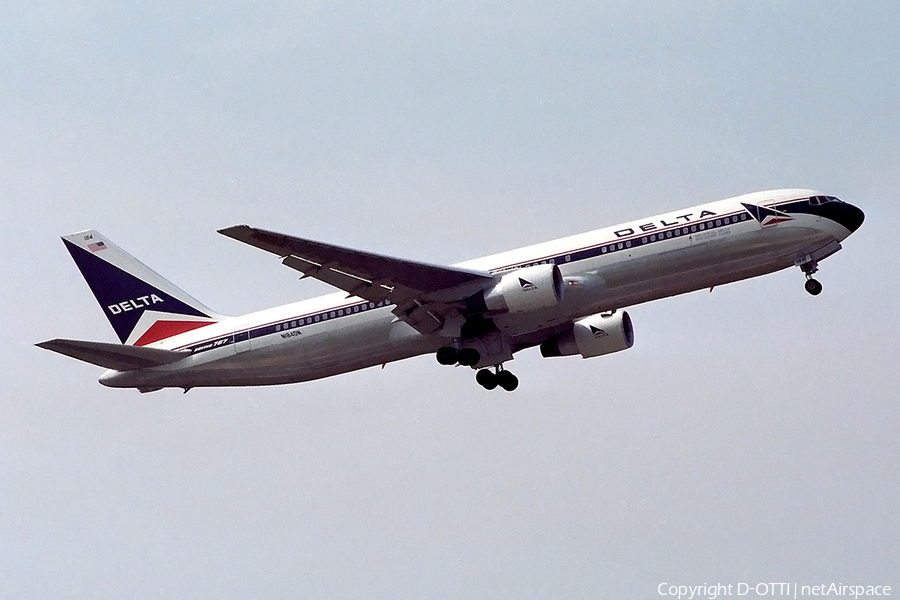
<point>491,379</point>
<point>812,285</point>
<point>486,378</point>
<point>467,357</point>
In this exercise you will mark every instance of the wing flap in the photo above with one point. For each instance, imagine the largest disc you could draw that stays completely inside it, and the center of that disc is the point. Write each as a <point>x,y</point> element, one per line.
<point>114,356</point>
<point>356,286</point>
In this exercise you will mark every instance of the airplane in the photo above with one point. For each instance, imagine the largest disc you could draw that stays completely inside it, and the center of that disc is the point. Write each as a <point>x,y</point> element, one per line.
<point>566,297</point>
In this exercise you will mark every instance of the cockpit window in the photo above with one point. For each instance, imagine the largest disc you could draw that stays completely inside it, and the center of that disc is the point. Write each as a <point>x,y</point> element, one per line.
<point>817,200</point>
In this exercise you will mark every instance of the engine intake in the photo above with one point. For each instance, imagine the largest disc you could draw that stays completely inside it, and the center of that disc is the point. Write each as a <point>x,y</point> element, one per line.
<point>522,290</point>
<point>595,335</point>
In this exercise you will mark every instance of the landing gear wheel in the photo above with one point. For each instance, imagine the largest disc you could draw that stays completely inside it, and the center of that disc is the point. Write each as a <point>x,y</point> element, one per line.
<point>810,266</point>
<point>813,287</point>
<point>447,355</point>
<point>486,379</point>
<point>507,381</point>
<point>468,357</point>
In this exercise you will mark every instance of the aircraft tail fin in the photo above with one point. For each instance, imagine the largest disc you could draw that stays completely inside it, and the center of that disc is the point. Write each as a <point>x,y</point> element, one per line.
<point>141,305</point>
<point>114,356</point>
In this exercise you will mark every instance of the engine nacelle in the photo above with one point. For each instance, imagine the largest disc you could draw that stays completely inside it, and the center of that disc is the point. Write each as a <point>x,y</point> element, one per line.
<point>595,335</point>
<point>522,290</point>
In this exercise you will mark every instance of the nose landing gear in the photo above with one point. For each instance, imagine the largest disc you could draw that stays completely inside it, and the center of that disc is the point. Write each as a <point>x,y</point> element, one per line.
<point>812,285</point>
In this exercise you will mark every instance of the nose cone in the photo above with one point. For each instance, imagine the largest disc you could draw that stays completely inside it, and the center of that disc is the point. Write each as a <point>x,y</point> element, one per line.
<point>846,215</point>
<point>849,216</point>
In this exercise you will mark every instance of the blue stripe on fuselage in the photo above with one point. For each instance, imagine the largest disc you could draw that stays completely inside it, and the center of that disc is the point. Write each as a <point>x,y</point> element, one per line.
<point>286,326</point>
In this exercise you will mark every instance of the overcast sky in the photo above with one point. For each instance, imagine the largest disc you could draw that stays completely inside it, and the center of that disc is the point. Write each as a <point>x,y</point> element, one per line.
<point>751,435</point>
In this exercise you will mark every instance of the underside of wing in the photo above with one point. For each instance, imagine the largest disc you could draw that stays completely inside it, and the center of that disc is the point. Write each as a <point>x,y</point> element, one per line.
<point>422,292</point>
<point>114,356</point>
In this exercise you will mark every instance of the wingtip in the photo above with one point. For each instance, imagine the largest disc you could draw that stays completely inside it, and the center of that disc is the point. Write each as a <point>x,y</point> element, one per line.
<point>49,344</point>
<point>231,231</point>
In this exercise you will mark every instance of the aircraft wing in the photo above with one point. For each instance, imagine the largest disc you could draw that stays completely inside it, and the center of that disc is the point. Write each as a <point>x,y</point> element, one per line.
<point>420,291</point>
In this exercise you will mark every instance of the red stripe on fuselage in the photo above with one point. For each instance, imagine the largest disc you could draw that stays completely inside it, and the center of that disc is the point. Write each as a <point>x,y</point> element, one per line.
<point>166,329</point>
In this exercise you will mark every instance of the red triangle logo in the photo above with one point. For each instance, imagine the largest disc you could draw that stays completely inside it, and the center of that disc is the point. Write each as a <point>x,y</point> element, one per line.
<point>166,329</point>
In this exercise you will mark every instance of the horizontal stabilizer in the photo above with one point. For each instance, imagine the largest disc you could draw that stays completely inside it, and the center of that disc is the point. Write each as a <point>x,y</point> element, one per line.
<point>114,356</point>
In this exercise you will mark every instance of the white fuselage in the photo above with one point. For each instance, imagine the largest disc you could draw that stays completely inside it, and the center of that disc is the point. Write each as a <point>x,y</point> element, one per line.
<point>604,270</point>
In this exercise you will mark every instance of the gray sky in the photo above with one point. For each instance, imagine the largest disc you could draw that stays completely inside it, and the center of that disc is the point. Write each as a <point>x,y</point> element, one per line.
<point>750,435</point>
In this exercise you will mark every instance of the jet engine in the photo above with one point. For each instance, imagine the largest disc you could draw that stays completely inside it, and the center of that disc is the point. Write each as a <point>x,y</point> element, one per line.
<point>595,335</point>
<point>522,290</point>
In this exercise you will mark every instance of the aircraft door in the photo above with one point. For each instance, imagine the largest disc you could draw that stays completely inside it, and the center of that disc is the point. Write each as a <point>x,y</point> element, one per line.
<point>241,342</point>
